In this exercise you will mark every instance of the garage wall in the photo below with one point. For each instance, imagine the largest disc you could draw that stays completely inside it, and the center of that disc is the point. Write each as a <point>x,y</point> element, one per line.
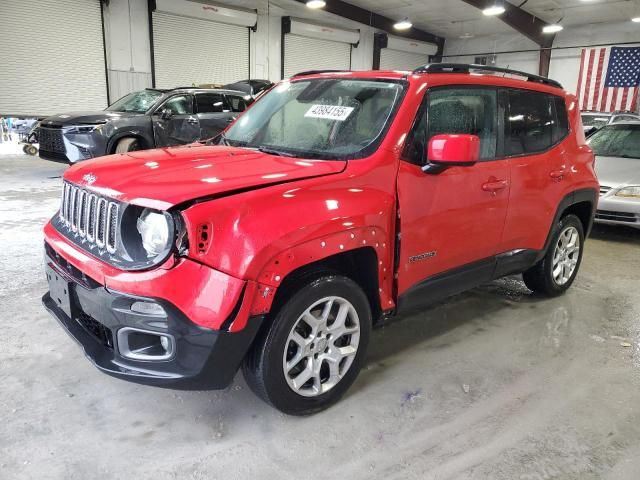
<point>52,57</point>
<point>564,65</point>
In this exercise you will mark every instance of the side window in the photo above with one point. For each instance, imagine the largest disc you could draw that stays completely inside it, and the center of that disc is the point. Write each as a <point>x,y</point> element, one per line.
<point>179,105</point>
<point>237,103</point>
<point>561,128</point>
<point>211,103</point>
<point>456,110</point>
<point>530,123</point>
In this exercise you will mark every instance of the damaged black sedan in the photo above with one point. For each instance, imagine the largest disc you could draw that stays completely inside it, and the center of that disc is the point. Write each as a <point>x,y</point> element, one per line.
<point>140,120</point>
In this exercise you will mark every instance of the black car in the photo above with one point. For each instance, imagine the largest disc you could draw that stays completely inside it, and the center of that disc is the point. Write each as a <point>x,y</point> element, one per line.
<point>252,87</point>
<point>146,119</point>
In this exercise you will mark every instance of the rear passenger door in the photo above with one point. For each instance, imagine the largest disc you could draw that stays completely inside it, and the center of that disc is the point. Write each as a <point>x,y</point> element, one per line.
<point>214,113</point>
<point>452,222</point>
<point>535,126</point>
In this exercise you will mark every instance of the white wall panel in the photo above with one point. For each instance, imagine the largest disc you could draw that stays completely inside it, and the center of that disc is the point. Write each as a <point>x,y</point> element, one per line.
<point>397,60</point>
<point>304,53</point>
<point>52,59</point>
<point>191,51</point>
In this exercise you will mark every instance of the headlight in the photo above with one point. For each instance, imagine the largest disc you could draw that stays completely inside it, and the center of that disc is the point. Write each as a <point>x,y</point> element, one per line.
<point>629,192</point>
<point>83,128</point>
<point>155,232</point>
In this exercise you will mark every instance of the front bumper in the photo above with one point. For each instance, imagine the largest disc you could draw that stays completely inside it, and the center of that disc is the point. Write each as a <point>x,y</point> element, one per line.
<point>57,145</point>
<point>201,358</point>
<point>614,210</point>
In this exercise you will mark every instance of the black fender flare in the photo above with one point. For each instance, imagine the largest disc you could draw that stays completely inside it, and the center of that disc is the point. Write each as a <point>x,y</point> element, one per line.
<point>589,195</point>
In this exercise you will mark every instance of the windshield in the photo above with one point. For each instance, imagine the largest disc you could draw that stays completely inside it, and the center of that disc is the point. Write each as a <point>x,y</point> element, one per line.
<point>325,118</point>
<point>136,102</point>
<point>594,120</point>
<point>617,141</point>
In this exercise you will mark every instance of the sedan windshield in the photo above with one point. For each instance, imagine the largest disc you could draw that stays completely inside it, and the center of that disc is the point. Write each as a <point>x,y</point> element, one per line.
<point>326,118</point>
<point>136,102</point>
<point>617,141</point>
<point>594,120</point>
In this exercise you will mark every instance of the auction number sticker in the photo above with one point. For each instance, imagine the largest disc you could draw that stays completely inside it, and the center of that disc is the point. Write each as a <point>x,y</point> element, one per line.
<point>329,112</point>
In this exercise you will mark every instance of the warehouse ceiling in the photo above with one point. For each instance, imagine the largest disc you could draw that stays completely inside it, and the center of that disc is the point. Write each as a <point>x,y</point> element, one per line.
<point>454,18</point>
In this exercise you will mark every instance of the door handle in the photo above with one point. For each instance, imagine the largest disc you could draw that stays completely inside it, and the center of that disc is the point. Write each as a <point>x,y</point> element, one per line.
<point>494,185</point>
<point>557,175</point>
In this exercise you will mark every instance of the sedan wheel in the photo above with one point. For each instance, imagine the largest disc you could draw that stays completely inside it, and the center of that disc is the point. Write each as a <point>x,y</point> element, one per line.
<point>566,255</point>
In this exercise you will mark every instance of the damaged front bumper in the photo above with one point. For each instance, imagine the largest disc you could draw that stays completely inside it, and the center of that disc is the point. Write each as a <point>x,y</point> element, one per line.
<point>143,339</point>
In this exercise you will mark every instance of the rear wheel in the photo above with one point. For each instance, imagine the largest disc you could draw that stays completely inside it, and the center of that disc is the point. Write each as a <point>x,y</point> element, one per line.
<point>128,144</point>
<point>314,348</point>
<point>555,273</point>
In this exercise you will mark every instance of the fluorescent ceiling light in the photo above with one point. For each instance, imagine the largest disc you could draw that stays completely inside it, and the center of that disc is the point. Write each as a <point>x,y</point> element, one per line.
<point>403,24</point>
<point>553,28</point>
<point>465,36</point>
<point>635,19</point>
<point>316,3</point>
<point>493,10</point>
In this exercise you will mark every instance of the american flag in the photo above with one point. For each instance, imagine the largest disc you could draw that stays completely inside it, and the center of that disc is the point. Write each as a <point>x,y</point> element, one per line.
<point>609,79</point>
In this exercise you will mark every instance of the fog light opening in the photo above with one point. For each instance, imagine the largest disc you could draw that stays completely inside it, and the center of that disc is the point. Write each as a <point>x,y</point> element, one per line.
<point>145,345</point>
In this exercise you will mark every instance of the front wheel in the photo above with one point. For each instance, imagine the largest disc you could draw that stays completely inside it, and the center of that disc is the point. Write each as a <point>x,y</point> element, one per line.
<point>314,348</point>
<point>128,144</point>
<point>555,273</point>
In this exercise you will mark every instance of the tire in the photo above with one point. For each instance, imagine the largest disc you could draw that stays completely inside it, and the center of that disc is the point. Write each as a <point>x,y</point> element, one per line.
<point>31,150</point>
<point>24,148</point>
<point>543,277</point>
<point>128,144</point>
<point>278,364</point>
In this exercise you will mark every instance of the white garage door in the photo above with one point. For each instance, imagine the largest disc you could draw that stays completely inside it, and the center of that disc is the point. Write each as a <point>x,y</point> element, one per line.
<point>52,57</point>
<point>397,60</point>
<point>190,51</point>
<point>305,53</point>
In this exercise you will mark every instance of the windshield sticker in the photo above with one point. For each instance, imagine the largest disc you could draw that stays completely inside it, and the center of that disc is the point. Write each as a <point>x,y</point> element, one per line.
<point>329,112</point>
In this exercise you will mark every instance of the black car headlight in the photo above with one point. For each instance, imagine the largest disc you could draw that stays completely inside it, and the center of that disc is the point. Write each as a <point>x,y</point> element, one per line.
<point>149,236</point>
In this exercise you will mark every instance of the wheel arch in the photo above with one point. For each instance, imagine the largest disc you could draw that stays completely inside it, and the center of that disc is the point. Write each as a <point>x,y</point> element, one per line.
<point>581,203</point>
<point>113,141</point>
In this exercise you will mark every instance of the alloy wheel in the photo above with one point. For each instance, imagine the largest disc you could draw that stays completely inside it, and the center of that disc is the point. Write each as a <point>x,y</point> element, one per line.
<point>566,255</point>
<point>321,346</point>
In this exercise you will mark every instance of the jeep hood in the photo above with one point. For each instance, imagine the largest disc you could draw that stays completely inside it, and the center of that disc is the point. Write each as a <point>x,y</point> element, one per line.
<point>163,178</point>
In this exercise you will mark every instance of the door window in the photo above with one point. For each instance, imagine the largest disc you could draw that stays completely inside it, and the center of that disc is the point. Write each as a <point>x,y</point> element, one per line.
<point>530,123</point>
<point>236,103</point>
<point>211,103</point>
<point>459,110</point>
<point>178,105</point>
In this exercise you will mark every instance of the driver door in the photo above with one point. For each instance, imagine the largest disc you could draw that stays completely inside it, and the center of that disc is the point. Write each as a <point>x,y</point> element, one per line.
<point>451,221</point>
<point>174,122</point>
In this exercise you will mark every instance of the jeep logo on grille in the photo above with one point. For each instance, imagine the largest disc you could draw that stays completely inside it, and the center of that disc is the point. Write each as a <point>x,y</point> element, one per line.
<point>89,178</point>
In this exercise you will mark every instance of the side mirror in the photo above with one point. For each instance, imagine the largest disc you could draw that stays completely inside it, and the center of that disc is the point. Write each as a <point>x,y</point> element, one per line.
<point>451,150</point>
<point>166,114</point>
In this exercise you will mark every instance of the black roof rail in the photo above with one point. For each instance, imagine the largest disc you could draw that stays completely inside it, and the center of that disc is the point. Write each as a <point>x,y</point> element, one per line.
<point>468,67</point>
<point>314,72</point>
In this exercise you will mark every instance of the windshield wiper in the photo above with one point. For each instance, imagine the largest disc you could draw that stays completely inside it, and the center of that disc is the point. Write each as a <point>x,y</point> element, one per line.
<point>270,151</point>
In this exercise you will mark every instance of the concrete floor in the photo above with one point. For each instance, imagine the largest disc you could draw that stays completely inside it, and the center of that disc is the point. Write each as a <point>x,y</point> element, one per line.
<point>494,383</point>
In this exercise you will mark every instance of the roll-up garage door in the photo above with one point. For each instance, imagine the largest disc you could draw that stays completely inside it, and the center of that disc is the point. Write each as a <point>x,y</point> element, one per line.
<point>308,46</point>
<point>403,54</point>
<point>304,53</point>
<point>52,57</point>
<point>190,51</point>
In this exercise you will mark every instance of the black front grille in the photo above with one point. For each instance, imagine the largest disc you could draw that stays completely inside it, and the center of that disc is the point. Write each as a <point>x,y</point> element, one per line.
<point>616,216</point>
<point>54,156</point>
<point>95,328</point>
<point>51,140</point>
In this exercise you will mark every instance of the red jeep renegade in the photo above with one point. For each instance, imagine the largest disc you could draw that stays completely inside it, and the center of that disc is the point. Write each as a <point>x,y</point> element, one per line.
<point>337,200</point>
